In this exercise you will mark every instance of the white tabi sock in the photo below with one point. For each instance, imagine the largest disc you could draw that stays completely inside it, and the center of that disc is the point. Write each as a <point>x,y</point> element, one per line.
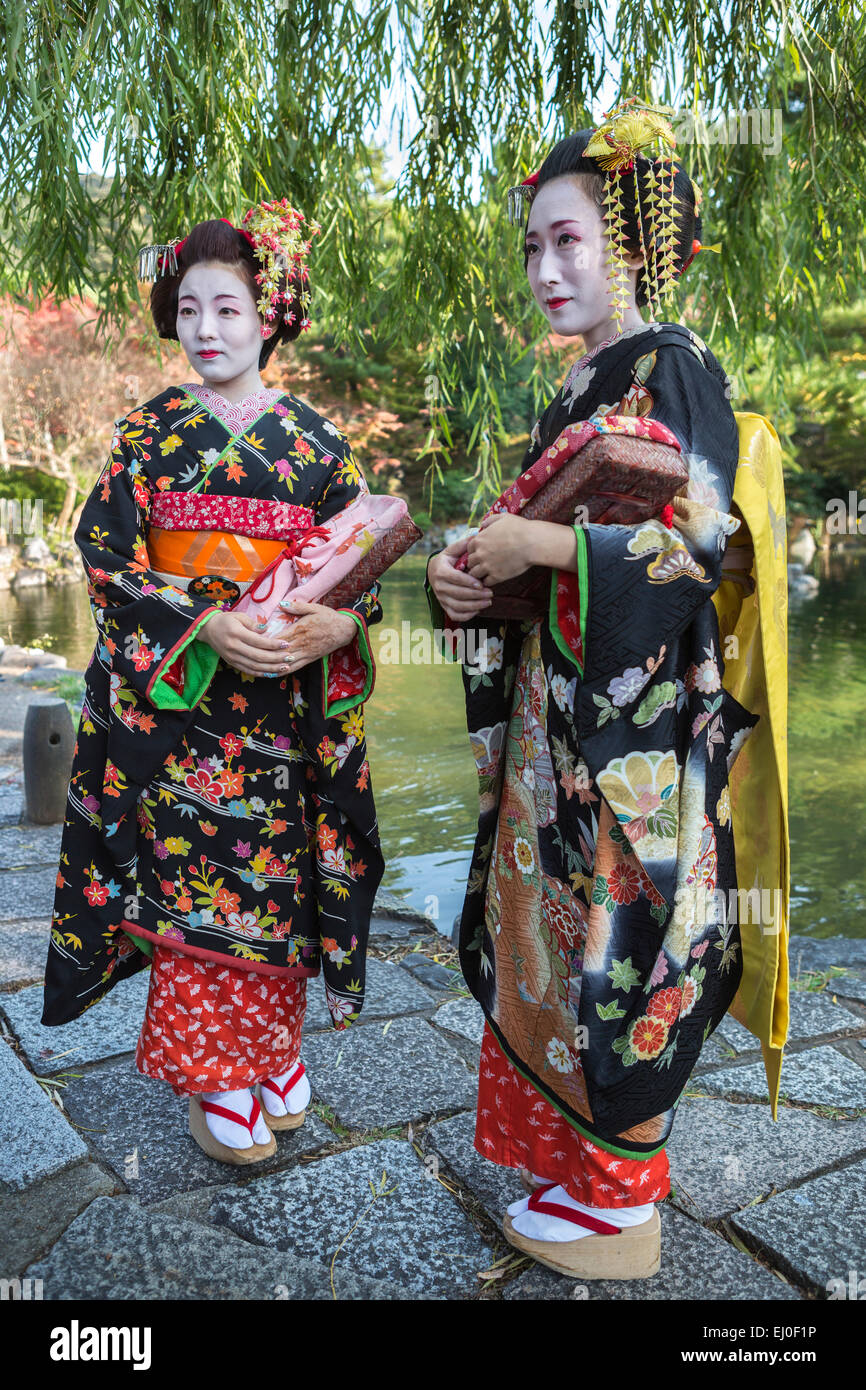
<point>539,1226</point>
<point>237,1136</point>
<point>297,1099</point>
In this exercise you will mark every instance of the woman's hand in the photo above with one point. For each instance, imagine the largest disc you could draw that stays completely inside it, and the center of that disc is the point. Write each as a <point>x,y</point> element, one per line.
<point>234,638</point>
<point>318,631</point>
<point>504,547</point>
<point>460,595</point>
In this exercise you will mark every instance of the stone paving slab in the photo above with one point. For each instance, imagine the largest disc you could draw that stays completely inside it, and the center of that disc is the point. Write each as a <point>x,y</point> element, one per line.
<point>11,771</point>
<point>117,1250</point>
<point>813,953</point>
<point>140,1128</point>
<point>714,1051</point>
<point>192,1206</point>
<point>387,1074</point>
<point>812,1016</point>
<point>393,918</point>
<point>696,1264</point>
<point>109,1029</point>
<point>27,892</point>
<point>490,1184</point>
<point>462,1016</point>
<point>724,1155</point>
<point>35,1140</point>
<point>390,991</point>
<point>417,1237</point>
<point>819,1076</point>
<point>28,845</point>
<point>23,951</point>
<point>816,1232</point>
<point>848,986</point>
<point>31,1221</point>
<point>435,976</point>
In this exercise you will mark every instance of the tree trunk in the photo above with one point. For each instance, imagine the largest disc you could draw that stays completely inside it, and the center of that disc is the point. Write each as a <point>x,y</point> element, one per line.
<point>76,516</point>
<point>65,513</point>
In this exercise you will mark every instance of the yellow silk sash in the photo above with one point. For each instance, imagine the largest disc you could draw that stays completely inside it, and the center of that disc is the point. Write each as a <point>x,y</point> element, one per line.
<point>756,674</point>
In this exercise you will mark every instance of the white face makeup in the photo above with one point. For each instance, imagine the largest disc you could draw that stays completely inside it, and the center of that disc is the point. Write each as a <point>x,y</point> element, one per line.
<point>567,264</point>
<point>219,328</point>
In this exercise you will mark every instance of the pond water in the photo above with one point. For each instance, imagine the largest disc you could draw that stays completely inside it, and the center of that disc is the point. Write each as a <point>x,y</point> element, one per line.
<point>423,773</point>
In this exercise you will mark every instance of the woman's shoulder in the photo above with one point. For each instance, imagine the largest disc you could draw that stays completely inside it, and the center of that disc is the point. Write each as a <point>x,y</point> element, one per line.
<point>688,350</point>
<point>309,421</point>
<point>149,411</point>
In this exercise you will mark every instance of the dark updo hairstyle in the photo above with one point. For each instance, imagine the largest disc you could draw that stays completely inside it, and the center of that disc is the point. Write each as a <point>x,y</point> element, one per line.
<point>218,241</point>
<point>567,157</point>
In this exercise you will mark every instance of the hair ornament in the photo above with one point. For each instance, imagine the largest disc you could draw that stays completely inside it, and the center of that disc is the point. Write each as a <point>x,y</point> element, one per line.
<point>629,131</point>
<point>279,244</point>
<point>273,230</point>
<point>519,198</point>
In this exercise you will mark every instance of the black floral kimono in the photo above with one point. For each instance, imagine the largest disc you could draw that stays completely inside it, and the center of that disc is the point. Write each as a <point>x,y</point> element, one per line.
<point>227,816</point>
<point>591,931</point>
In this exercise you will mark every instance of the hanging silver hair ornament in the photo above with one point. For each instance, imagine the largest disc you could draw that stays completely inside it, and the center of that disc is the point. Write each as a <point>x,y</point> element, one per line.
<point>158,259</point>
<point>519,198</point>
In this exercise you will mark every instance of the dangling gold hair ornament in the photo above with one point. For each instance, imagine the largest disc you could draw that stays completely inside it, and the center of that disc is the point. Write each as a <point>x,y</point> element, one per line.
<point>628,129</point>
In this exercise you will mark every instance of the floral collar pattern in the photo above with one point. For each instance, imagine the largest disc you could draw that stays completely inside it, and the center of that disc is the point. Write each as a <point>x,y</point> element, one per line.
<point>237,415</point>
<point>593,352</point>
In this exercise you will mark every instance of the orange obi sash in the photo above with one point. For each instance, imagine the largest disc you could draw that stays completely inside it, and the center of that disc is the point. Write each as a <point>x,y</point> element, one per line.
<point>191,553</point>
<point>215,546</point>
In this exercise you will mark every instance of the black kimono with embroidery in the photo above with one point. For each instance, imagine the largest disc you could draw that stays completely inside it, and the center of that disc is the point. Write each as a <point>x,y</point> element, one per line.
<point>228,816</point>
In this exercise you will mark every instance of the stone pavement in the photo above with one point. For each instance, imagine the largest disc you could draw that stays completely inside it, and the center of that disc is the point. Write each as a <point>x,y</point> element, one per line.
<point>381,1194</point>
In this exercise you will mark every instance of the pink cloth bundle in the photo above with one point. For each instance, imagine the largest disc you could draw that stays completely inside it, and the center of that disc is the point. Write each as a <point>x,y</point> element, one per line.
<point>332,563</point>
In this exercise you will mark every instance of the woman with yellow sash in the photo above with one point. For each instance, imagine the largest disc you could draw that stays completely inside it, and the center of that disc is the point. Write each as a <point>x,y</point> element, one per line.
<point>630,742</point>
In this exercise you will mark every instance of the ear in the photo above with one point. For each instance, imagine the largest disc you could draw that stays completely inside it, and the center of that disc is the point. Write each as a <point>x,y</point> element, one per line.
<point>271,330</point>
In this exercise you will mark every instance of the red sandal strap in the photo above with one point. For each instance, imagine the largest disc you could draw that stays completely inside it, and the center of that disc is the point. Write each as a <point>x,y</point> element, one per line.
<point>233,1115</point>
<point>578,1218</point>
<point>283,1091</point>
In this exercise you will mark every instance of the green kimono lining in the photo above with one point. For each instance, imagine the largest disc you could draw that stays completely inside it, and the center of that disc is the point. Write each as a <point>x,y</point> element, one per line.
<point>142,943</point>
<point>553,610</point>
<point>440,621</point>
<point>350,701</point>
<point>200,663</point>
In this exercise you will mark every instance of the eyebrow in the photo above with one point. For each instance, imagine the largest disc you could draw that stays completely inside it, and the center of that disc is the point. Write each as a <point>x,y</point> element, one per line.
<point>561,223</point>
<point>188,294</point>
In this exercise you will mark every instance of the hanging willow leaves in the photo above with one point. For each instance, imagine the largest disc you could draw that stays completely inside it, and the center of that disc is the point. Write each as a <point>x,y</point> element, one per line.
<point>203,108</point>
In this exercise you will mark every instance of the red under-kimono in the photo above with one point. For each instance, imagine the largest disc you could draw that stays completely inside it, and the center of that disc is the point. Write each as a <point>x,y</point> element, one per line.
<point>208,1027</point>
<point>516,1127</point>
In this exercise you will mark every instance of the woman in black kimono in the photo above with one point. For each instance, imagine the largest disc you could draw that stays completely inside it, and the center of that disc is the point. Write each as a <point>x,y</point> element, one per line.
<point>220,816</point>
<point>603,740</point>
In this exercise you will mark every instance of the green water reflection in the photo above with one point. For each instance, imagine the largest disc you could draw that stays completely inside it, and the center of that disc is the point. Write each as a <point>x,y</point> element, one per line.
<point>424,776</point>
